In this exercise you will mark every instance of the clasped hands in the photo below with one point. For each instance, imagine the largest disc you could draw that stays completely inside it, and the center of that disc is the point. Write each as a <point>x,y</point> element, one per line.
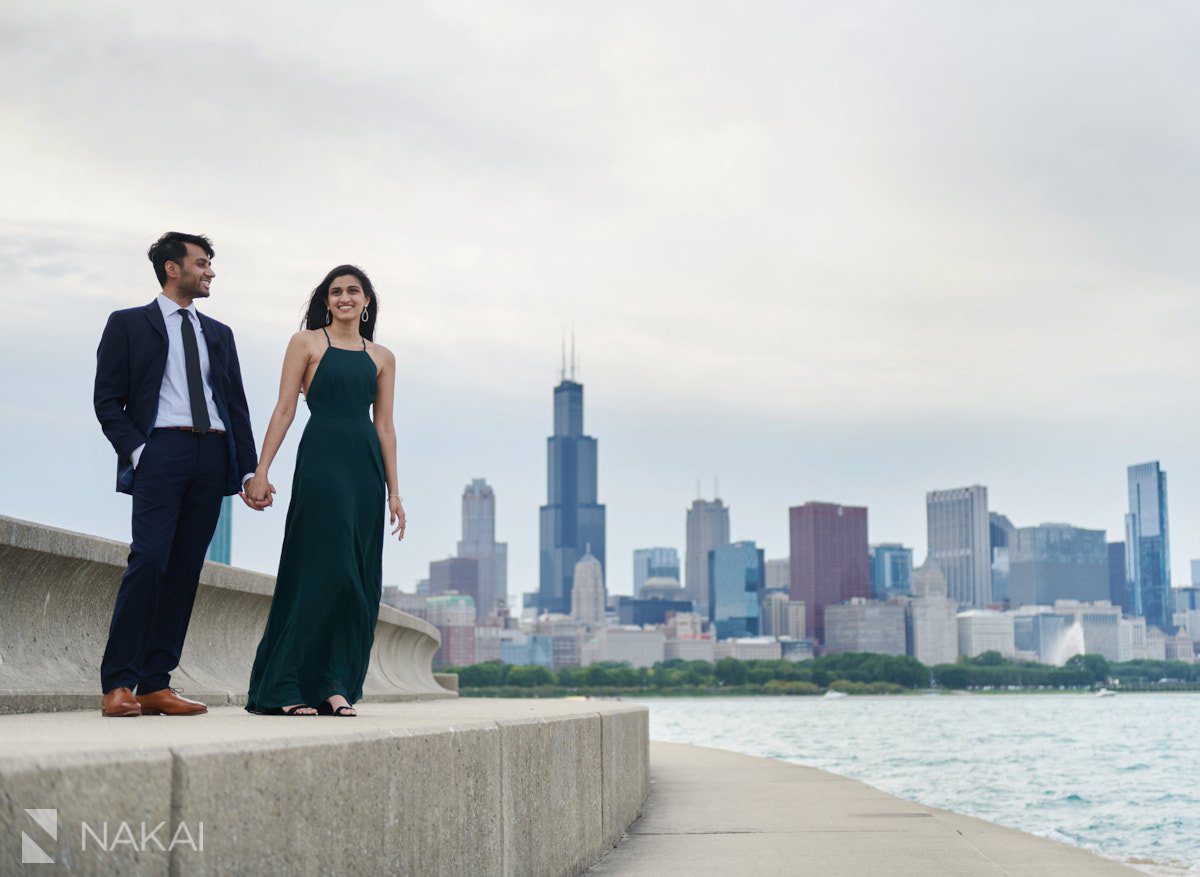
<point>258,493</point>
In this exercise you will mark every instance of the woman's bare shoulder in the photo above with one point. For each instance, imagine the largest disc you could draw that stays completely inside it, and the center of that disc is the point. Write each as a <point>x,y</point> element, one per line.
<point>382,353</point>
<point>305,339</point>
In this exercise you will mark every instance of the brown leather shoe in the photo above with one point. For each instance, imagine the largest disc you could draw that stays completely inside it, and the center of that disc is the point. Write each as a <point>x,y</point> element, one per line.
<point>118,703</point>
<point>167,702</point>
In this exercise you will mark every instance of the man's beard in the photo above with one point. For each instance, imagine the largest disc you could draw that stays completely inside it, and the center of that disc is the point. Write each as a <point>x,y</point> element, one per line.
<point>193,289</point>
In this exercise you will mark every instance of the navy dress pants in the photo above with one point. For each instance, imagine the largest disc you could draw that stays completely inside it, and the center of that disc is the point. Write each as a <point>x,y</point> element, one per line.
<point>177,492</point>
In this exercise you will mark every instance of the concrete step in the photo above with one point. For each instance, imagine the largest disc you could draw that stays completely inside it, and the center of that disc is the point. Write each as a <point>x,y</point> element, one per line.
<point>470,787</point>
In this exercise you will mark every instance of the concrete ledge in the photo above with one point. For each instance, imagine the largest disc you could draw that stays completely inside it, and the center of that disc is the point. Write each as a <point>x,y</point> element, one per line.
<point>471,787</point>
<point>57,589</point>
<point>712,813</point>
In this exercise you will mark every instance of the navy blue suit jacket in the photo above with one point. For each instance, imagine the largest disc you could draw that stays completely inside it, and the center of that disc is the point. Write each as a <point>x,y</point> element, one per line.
<point>130,363</point>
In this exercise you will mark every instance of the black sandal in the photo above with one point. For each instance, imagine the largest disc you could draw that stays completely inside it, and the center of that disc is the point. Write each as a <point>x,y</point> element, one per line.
<point>325,708</point>
<point>290,711</point>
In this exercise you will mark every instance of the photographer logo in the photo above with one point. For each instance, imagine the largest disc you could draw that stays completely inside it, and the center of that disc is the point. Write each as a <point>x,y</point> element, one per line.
<point>46,821</point>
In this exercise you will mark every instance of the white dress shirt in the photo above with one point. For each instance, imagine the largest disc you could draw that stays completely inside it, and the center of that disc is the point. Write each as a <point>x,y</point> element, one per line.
<point>174,403</point>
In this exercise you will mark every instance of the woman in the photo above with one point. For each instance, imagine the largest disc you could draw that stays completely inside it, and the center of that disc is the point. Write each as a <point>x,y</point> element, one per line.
<point>314,652</point>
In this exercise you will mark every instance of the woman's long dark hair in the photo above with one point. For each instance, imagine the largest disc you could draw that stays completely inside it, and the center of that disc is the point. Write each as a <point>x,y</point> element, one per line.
<point>318,315</point>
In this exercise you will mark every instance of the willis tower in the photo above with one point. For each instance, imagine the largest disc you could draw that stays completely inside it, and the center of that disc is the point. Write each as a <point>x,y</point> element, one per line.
<point>572,521</point>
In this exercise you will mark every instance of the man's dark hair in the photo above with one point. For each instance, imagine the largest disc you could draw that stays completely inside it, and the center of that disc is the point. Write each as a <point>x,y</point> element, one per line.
<point>172,247</point>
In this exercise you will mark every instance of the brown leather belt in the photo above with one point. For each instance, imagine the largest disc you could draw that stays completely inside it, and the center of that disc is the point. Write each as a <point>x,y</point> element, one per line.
<point>189,429</point>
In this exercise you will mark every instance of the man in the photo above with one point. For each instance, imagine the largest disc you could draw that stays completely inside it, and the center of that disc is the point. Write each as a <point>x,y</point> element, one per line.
<point>169,398</point>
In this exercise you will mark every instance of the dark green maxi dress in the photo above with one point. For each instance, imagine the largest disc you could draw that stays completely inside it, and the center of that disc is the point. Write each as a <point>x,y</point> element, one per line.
<point>317,642</point>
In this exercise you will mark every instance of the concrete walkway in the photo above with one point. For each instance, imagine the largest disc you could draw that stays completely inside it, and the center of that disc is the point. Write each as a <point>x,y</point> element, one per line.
<point>712,812</point>
<point>53,737</point>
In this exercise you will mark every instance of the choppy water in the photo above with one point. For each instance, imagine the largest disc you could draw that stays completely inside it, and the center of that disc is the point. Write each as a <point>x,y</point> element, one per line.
<point>1118,775</point>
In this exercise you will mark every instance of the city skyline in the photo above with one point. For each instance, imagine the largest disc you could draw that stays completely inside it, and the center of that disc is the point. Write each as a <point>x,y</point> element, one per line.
<point>827,255</point>
<point>1050,561</point>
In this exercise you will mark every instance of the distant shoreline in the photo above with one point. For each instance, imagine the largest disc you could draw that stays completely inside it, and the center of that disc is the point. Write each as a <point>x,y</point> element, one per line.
<point>620,693</point>
<point>846,673</point>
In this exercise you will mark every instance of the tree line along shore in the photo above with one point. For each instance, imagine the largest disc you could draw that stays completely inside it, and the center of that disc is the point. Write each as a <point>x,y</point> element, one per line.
<point>847,673</point>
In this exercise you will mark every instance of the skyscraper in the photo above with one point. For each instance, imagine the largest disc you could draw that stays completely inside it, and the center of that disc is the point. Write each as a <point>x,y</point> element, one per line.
<point>781,616</point>
<point>221,547</point>
<point>1118,590</point>
<point>707,528</point>
<point>891,570</point>
<point>1057,562</point>
<point>1002,535</point>
<point>571,518</point>
<point>653,563</point>
<point>779,574</point>
<point>479,542</point>
<point>736,576</point>
<point>960,542</point>
<point>830,560</point>
<point>455,575</point>
<point>1147,545</point>
<point>587,591</point>
<point>773,621</point>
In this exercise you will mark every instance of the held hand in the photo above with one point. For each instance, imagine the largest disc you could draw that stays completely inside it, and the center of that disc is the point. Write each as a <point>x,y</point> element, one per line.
<point>258,492</point>
<point>396,516</point>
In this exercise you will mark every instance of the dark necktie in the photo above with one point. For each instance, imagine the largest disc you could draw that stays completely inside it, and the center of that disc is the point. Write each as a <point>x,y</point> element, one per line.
<point>191,360</point>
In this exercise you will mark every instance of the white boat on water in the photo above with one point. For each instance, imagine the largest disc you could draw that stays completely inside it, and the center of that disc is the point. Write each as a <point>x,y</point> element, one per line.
<point>833,695</point>
<point>1104,692</point>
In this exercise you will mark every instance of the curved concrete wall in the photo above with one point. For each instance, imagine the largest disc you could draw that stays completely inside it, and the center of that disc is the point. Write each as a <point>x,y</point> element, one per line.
<point>56,596</point>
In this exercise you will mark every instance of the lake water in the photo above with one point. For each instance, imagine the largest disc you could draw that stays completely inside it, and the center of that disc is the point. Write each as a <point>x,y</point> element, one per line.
<point>1118,775</point>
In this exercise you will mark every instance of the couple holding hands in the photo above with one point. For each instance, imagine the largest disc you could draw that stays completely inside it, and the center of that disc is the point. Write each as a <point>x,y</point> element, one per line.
<point>169,397</point>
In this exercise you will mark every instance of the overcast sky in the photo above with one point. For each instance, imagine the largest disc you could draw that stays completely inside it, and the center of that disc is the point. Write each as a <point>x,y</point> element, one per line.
<point>838,251</point>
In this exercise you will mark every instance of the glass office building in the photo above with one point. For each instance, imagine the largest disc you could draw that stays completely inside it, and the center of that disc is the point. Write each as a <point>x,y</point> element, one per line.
<point>891,570</point>
<point>1002,536</point>
<point>1147,545</point>
<point>737,573</point>
<point>1057,562</point>
<point>1118,591</point>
